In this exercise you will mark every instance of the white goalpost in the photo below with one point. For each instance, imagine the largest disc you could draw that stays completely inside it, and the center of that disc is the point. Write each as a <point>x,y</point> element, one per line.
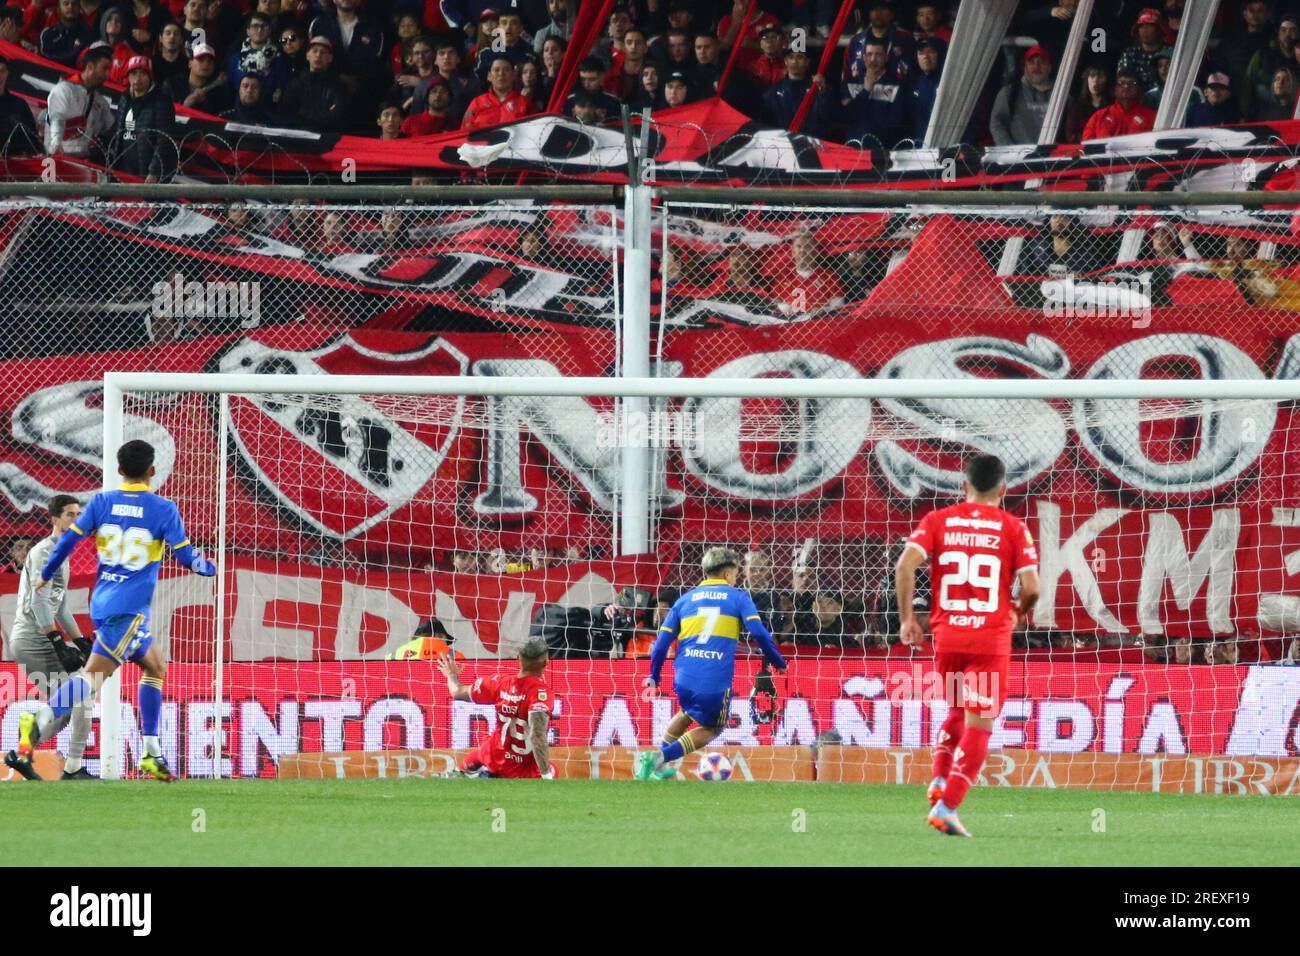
<point>338,510</point>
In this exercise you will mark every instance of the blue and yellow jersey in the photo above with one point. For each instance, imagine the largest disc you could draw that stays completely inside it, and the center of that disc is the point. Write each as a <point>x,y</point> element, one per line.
<point>132,528</point>
<point>707,622</point>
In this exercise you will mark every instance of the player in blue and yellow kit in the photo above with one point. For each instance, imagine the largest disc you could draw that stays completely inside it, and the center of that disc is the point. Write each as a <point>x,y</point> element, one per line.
<point>132,528</point>
<point>706,623</point>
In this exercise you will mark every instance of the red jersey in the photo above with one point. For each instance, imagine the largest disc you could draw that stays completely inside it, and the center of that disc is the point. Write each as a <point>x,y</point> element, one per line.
<point>1114,120</point>
<point>976,551</point>
<point>507,752</point>
<point>488,109</point>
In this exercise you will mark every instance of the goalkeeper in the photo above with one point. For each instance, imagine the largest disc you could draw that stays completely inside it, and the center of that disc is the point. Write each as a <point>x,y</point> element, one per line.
<point>706,622</point>
<point>37,642</point>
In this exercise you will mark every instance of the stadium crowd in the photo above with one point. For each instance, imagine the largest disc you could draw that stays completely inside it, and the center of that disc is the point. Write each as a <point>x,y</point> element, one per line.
<point>398,68</point>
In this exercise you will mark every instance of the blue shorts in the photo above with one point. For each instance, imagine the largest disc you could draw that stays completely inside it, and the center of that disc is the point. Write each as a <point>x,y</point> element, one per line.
<point>707,708</point>
<point>123,637</point>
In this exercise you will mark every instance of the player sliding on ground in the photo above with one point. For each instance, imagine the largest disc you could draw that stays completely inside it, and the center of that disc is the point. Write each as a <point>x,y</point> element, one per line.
<point>132,527</point>
<point>706,622</point>
<point>518,747</point>
<point>978,551</point>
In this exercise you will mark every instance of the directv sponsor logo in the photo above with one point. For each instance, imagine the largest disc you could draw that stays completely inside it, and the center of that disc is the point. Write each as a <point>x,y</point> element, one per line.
<point>75,909</point>
<point>706,655</point>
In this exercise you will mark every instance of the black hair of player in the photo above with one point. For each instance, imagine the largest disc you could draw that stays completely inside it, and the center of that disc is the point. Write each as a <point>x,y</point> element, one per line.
<point>134,459</point>
<point>985,472</point>
<point>57,504</point>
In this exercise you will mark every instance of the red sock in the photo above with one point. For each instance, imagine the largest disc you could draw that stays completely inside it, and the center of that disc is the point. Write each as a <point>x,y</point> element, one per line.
<point>967,761</point>
<point>949,733</point>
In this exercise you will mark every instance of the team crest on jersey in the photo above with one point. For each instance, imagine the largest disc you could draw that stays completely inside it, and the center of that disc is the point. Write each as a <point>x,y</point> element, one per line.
<point>340,463</point>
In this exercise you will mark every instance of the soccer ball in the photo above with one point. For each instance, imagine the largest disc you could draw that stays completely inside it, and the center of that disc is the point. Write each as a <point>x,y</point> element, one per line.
<point>713,766</point>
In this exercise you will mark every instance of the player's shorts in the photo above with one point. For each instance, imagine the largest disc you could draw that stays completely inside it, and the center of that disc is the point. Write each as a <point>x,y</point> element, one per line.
<point>974,682</point>
<point>123,637</point>
<point>708,708</point>
<point>485,761</point>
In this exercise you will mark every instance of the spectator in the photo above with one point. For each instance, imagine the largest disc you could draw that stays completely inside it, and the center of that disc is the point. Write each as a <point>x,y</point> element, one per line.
<point>430,642</point>
<point>1218,107</point>
<point>562,14</point>
<point>624,78</point>
<point>807,283</point>
<point>436,116</point>
<point>18,548</point>
<point>18,135</point>
<point>223,21</point>
<point>112,27</point>
<point>317,99</point>
<point>250,108</point>
<point>76,114</point>
<point>676,52</point>
<point>1151,98</point>
<point>356,46</point>
<point>1139,59</point>
<point>462,88</point>
<point>931,23</point>
<point>585,110</point>
<point>676,89</point>
<point>885,600</point>
<point>734,28</point>
<point>390,121</point>
<point>877,114</point>
<point>781,102</point>
<point>464,562</point>
<point>202,88</point>
<point>1223,651</point>
<point>136,41</point>
<point>1066,248</point>
<point>743,283</point>
<point>1257,85</point>
<point>293,52</point>
<point>63,41</point>
<point>408,29</point>
<point>768,69</point>
<point>143,146</point>
<point>194,19</point>
<point>861,270</point>
<point>508,41</point>
<point>899,47</point>
<point>1050,24</point>
<point>591,77</point>
<point>419,66</point>
<point>708,67</point>
<point>169,60</point>
<point>1281,103</point>
<point>649,96</point>
<point>922,86</point>
<point>610,46</point>
<point>1094,95</point>
<point>11,24</point>
<point>1238,48</point>
<point>1126,115</point>
<point>501,103</point>
<point>258,55</point>
<point>1021,105</point>
<point>819,621</point>
<point>530,83</point>
<point>681,23</point>
<point>773,606</point>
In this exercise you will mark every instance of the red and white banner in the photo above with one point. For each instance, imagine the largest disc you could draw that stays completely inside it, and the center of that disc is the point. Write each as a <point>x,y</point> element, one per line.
<point>1059,708</point>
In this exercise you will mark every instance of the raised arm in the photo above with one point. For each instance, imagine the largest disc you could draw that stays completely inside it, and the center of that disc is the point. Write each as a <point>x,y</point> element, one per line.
<point>451,670</point>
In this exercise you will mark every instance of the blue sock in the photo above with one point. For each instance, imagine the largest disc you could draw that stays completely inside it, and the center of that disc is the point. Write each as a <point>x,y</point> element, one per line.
<point>70,693</point>
<point>150,700</point>
<point>676,750</point>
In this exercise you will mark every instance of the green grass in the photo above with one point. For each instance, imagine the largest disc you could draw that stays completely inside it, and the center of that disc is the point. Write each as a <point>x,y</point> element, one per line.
<point>429,822</point>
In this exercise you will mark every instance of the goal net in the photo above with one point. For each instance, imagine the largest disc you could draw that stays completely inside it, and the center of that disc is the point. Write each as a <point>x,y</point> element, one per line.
<point>358,521</point>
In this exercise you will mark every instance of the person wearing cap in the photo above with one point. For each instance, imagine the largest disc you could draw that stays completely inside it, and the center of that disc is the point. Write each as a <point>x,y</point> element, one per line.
<point>251,109</point>
<point>1218,107</point>
<point>876,116</point>
<point>677,89</point>
<point>781,101</point>
<point>202,88</point>
<point>562,13</point>
<point>1126,115</point>
<point>1257,85</point>
<point>76,113</point>
<point>502,103</point>
<point>143,145</point>
<point>1238,46</point>
<point>318,99</point>
<point>734,28</point>
<point>1140,58</point>
<point>584,108</point>
<point>1154,92</point>
<point>64,40</point>
<point>899,45</point>
<point>430,643</point>
<point>466,16</point>
<point>508,41</point>
<point>922,85</point>
<point>357,41</point>
<point>18,135</point>
<point>591,77</point>
<point>1021,105</point>
<point>768,68</point>
<point>435,117</point>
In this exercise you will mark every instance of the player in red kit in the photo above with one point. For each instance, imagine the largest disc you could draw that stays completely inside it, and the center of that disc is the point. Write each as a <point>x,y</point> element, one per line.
<point>518,746</point>
<point>977,552</point>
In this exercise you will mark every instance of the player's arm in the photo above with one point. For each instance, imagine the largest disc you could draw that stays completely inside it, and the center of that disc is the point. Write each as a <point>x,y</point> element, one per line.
<point>77,531</point>
<point>451,670</point>
<point>909,628</point>
<point>185,553</point>
<point>538,721</point>
<point>1028,592</point>
<point>759,632</point>
<point>663,641</point>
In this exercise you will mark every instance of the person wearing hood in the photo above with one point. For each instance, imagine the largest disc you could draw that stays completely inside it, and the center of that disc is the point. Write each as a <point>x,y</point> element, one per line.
<point>923,84</point>
<point>143,145</point>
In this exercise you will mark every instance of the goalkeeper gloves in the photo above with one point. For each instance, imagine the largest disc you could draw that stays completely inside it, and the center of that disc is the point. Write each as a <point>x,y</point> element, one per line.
<point>203,566</point>
<point>762,702</point>
<point>84,645</point>
<point>69,657</point>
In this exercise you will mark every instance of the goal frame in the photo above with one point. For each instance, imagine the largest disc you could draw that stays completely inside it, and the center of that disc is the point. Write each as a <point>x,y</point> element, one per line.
<point>634,509</point>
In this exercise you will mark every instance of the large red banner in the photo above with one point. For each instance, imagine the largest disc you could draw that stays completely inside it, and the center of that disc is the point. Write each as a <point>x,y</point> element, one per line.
<point>271,711</point>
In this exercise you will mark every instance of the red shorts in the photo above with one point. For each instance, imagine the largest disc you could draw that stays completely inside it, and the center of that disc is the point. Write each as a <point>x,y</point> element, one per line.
<point>974,682</point>
<point>486,756</point>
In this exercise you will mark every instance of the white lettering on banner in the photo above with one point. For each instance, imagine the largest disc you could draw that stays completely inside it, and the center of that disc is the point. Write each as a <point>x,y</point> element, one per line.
<point>740,728</point>
<point>382,712</point>
<point>464,714</point>
<point>1267,721</point>
<point>797,727</point>
<point>1166,557</point>
<point>1009,726</point>
<point>1231,434</point>
<point>1055,561</point>
<point>981,425</point>
<point>200,722</point>
<point>1162,732</point>
<point>615,727</point>
<point>853,728</point>
<point>1112,721</point>
<point>256,729</point>
<point>1055,716</point>
<point>332,714</point>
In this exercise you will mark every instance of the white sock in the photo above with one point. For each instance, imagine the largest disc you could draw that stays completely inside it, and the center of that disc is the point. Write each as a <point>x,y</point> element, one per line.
<point>151,747</point>
<point>71,764</point>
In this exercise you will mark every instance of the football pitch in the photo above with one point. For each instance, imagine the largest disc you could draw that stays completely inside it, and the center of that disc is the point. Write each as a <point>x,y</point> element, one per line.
<point>592,822</point>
